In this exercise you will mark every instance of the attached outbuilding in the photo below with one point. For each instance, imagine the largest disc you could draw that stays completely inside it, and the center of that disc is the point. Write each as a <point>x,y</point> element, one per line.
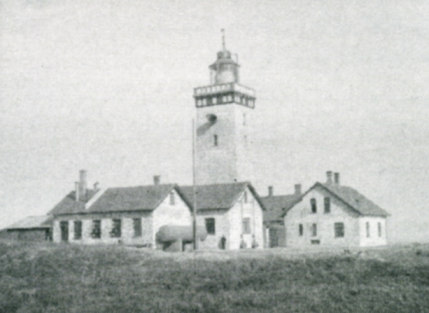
<point>276,206</point>
<point>31,228</point>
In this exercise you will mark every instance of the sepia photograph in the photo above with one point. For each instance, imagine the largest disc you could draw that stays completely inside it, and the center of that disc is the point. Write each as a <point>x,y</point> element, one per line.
<point>214,156</point>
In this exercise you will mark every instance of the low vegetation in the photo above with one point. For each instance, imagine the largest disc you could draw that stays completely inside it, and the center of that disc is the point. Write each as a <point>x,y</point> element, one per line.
<point>69,278</point>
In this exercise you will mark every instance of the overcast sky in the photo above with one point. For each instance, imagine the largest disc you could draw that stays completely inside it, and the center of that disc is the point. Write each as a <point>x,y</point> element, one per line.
<point>107,86</point>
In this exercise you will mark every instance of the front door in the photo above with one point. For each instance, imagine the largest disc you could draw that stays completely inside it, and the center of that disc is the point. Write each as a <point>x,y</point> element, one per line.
<point>64,225</point>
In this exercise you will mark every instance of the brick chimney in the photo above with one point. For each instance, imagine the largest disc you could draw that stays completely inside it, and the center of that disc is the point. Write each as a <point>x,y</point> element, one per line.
<point>329,177</point>
<point>337,178</point>
<point>82,184</point>
<point>156,180</point>
<point>76,191</point>
<point>270,191</point>
<point>298,189</point>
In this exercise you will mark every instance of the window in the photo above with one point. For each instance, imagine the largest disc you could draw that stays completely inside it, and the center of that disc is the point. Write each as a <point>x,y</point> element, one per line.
<point>339,230</point>
<point>137,225</point>
<point>77,229</point>
<point>116,228</point>
<point>314,230</point>
<point>379,229</point>
<point>214,100</point>
<point>327,202</point>
<point>96,229</point>
<point>215,140</point>
<point>300,230</point>
<point>245,197</point>
<point>172,200</point>
<point>313,205</point>
<point>246,225</point>
<point>210,226</point>
<point>64,226</point>
<point>368,233</point>
<point>244,119</point>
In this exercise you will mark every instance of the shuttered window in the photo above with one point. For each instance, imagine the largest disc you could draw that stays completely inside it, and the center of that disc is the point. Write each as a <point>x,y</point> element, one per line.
<point>339,230</point>
<point>313,204</point>
<point>246,225</point>
<point>137,225</point>
<point>77,230</point>
<point>116,228</point>
<point>210,225</point>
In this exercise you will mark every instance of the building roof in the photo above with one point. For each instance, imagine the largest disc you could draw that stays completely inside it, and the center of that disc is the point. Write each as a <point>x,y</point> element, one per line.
<point>351,198</point>
<point>276,206</point>
<point>355,200</point>
<point>218,196</point>
<point>118,199</point>
<point>32,222</point>
<point>69,205</point>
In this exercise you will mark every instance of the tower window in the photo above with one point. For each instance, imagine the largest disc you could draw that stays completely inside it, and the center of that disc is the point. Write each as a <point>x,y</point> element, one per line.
<point>215,140</point>
<point>368,231</point>
<point>214,100</point>
<point>300,230</point>
<point>244,118</point>
<point>379,230</point>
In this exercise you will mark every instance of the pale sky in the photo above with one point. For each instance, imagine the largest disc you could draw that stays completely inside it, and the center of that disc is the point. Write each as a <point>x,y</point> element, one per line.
<point>107,86</point>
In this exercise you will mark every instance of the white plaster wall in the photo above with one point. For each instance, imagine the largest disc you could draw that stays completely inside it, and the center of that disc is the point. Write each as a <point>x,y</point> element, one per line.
<point>229,161</point>
<point>237,213</point>
<point>301,214</point>
<point>127,229</point>
<point>222,228</point>
<point>374,239</point>
<point>168,214</point>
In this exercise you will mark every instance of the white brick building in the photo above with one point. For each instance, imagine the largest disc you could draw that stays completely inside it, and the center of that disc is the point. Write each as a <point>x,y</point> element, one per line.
<point>128,215</point>
<point>231,213</point>
<point>333,215</point>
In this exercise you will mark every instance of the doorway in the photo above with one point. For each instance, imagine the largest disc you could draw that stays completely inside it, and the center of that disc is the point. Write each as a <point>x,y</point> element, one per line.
<point>64,226</point>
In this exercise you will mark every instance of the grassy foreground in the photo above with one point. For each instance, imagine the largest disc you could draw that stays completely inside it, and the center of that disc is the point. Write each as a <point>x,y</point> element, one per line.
<point>51,278</point>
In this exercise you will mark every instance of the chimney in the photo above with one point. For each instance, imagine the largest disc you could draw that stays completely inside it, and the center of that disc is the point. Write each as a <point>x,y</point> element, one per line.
<point>297,189</point>
<point>82,183</point>
<point>96,184</point>
<point>337,178</point>
<point>76,190</point>
<point>329,177</point>
<point>156,180</point>
<point>270,191</point>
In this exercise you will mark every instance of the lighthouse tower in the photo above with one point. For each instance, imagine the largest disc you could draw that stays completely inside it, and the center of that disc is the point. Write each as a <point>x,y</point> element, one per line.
<point>223,124</point>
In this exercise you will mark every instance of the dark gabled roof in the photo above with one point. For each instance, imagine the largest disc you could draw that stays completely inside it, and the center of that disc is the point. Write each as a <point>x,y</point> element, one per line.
<point>118,199</point>
<point>351,198</point>
<point>140,198</point>
<point>356,200</point>
<point>276,206</point>
<point>218,196</point>
<point>69,205</point>
<point>32,222</point>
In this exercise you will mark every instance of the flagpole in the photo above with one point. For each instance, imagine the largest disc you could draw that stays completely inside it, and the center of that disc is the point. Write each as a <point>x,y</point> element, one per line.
<point>194,189</point>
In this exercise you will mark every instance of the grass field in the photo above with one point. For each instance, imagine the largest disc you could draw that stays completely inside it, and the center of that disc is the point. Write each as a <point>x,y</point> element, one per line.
<point>51,278</point>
